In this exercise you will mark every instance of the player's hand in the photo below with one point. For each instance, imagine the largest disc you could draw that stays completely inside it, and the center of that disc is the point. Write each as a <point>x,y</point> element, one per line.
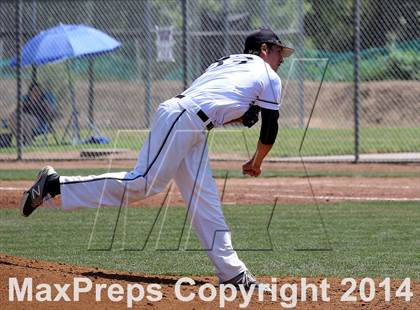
<point>249,168</point>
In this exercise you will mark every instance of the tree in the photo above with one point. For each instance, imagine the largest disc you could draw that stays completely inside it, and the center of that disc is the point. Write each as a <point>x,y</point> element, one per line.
<point>329,24</point>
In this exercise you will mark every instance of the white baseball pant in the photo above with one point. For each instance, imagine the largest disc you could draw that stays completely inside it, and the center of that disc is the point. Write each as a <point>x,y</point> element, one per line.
<point>176,149</point>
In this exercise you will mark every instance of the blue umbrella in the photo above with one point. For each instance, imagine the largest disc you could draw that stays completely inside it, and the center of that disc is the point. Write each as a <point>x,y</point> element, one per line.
<point>63,42</point>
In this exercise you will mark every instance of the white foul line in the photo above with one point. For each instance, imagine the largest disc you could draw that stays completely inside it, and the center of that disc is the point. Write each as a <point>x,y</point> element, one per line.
<point>348,198</point>
<point>12,188</point>
<point>289,196</point>
<point>370,186</point>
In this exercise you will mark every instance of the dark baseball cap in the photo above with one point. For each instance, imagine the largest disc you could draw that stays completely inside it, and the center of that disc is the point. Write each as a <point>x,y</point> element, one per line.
<point>265,35</point>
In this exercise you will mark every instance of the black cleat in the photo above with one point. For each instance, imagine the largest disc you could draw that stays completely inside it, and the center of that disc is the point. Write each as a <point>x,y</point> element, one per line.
<point>34,197</point>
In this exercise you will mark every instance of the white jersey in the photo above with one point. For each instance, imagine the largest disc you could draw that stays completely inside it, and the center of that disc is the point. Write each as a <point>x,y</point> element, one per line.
<point>229,86</point>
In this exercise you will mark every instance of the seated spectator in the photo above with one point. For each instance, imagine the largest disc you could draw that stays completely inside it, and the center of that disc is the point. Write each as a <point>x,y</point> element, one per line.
<point>38,108</point>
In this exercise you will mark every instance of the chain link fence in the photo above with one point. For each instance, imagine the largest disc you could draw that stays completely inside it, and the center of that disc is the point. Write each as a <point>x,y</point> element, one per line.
<point>105,101</point>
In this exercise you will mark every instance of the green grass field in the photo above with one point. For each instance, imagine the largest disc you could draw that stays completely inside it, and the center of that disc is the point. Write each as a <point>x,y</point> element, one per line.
<point>366,239</point>
<point>317,141</point>
<point>30,174</point>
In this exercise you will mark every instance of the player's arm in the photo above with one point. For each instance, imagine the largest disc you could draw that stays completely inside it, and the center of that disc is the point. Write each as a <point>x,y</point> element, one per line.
<point>234,121</point>
<point>268,134</point>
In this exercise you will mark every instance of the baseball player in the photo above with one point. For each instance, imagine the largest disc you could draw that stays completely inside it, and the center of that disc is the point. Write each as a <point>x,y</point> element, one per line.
<point>236,88</point>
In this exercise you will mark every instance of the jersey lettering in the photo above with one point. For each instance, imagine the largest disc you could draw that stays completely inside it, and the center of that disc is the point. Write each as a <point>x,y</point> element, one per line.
<point>234,60</point>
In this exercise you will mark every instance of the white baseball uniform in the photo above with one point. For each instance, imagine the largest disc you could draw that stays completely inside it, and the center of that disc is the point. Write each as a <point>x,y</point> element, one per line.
<point>176,149</point>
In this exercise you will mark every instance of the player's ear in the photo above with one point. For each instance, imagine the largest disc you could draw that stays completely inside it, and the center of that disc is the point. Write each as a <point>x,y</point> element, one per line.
<point>263,50</point>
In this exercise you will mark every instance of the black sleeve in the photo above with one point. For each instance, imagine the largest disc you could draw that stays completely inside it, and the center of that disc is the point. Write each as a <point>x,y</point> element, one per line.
<point>269,126</point>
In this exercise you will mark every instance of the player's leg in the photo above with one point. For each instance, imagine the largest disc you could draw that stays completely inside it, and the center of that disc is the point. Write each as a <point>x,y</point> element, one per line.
<point>199,190</point>
<point>157,164</point>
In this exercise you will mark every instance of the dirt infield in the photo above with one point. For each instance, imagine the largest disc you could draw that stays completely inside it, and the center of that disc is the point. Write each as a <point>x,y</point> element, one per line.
<point>287,190</point>
<point>43,272</point>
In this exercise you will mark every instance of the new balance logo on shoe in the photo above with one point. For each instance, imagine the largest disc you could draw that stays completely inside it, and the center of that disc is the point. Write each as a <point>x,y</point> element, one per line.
<point>36,192</point>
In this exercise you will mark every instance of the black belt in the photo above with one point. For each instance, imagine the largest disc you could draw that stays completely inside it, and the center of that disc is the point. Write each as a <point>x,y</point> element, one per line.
<point>203,116</point>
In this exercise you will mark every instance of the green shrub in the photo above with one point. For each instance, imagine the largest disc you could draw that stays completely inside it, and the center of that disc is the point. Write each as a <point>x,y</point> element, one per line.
<point>403,65</point>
